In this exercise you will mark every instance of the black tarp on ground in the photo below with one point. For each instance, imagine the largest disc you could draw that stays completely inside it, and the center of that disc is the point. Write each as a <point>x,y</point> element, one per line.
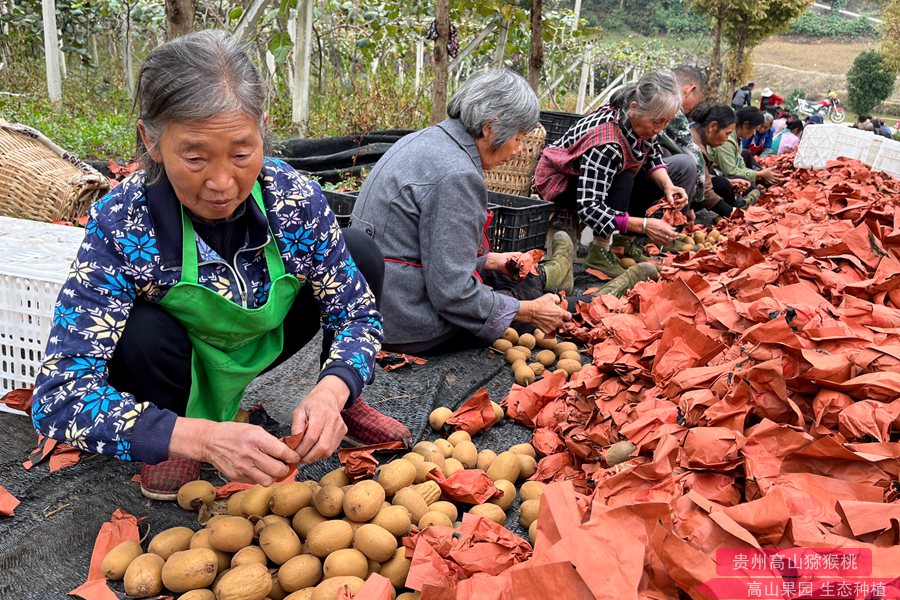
<point>45,549</point>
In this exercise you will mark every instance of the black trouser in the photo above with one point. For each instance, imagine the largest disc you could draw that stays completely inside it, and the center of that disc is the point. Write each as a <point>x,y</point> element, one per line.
<point>750,160</point>
<point>725,190</point>
<point>152,360</point>
<point>634,193</point>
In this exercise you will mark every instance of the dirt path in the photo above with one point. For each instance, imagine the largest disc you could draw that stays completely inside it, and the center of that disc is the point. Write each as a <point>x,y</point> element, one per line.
<point>812,66</point>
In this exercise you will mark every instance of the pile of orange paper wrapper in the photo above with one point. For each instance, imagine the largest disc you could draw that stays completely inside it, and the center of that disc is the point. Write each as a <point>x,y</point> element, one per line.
<point>760,384</point>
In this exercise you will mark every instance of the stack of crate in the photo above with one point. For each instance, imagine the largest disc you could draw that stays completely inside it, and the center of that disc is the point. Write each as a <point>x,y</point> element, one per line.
<point>34,263</point>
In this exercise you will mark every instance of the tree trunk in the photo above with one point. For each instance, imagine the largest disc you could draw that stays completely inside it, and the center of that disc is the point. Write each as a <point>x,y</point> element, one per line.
<point>715,67</point>
<point>51,51</point>
<point>536,58</point>
<point>736,69</point>
<point>179,18</point>
<point>420,61</point>
<point>302,51</point>
<point>126,50</point>
<point>502,39</point>
<point>577,12</point>
<point>441,63</point>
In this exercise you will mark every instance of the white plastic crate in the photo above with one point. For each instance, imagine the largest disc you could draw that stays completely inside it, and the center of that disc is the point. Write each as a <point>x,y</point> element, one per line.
<point>34,263</point>
<point>821,143</point>
<point>888,158</point>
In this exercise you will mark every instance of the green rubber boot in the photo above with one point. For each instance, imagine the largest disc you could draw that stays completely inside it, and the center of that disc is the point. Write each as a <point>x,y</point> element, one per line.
<point>751,198</point>
<point>558,268</point>
<point>622,284</point>
<point>631,249</point>
<point>601,258</point>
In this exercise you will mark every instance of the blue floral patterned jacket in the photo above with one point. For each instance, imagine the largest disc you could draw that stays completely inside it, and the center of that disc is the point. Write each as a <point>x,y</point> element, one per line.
<point>132,251</point>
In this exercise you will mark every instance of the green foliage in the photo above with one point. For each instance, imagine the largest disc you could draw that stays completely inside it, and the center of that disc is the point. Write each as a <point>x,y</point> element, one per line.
<point>749,22</point>
<point>833,25</point>
<point>79,21</point>
<point>793,95</point>
<point>95,120</point>
<point>890,34</point>
<point>657,17</point>
<point>870,81</point>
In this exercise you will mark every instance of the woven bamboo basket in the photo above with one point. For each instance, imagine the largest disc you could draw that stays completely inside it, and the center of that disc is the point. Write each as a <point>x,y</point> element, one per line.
<point>40,181</point>
<point>514,176</point>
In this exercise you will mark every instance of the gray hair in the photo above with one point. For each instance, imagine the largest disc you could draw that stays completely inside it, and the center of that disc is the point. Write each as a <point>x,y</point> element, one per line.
<point>193,78</point>
<point>767,117</point>
<point>498,98</point>
<point>656,94</point>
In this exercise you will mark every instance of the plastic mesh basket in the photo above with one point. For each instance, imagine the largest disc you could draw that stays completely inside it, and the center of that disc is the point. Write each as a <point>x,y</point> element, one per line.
<point>341,204</point>
<point>34,263</point>
<point>519,223</point>
<point>888,158</point>
<point>557,123</point>
<point>821,143</point>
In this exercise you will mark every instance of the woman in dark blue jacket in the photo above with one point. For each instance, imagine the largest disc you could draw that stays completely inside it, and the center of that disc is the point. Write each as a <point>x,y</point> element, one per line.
<point>196,274</point>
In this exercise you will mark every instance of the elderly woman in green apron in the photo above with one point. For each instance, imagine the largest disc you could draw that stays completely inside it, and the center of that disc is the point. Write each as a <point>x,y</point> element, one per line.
<point>210,266</point>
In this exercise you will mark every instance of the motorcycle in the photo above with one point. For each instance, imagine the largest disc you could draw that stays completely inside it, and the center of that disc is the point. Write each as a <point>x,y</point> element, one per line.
<point>829,108</point>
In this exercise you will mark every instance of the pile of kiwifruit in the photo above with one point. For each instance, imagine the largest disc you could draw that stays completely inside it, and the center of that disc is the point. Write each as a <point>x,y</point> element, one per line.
<point>309,540</point>
<point>700,240</point>
<point>531,354</point>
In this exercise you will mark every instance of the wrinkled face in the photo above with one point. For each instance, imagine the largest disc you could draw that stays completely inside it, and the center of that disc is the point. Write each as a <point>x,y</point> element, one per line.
<point>765,127</point>
<point>492,158</point>
<point>716,136</point>
<point>212,164</point>
<point>646,126</point>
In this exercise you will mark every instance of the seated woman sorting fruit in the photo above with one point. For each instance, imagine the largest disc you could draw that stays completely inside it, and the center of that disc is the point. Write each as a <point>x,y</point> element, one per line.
<point>198,273</point>
<point>609,166</point>
<point>425,206</point>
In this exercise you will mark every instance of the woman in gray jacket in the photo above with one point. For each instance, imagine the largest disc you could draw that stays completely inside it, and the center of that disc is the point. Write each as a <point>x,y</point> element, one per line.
<point>425,205</point>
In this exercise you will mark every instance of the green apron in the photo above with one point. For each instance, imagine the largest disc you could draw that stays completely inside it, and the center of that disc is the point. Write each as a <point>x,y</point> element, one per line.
<point>232,344</point>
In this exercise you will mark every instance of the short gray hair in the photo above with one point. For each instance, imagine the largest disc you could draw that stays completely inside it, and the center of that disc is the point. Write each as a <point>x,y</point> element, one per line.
<point>193,78</point>
<point>767,117</point>
<point>656,94</point>
<point>498,98</point>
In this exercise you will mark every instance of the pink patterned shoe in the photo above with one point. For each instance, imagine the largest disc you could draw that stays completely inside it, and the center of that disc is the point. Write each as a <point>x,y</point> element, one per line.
<point>162,481</point>
<point>367,426</point>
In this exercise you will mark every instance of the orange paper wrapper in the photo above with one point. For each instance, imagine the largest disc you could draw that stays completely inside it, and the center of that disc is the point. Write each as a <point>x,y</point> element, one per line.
<point>471,486</point>
<point>8,503</point>
<point>474,415</point>
<point>376,587</point>
<point>122,527</point>
<point>60,455</point>
<point>360,463</point>
<point>18,399</point>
